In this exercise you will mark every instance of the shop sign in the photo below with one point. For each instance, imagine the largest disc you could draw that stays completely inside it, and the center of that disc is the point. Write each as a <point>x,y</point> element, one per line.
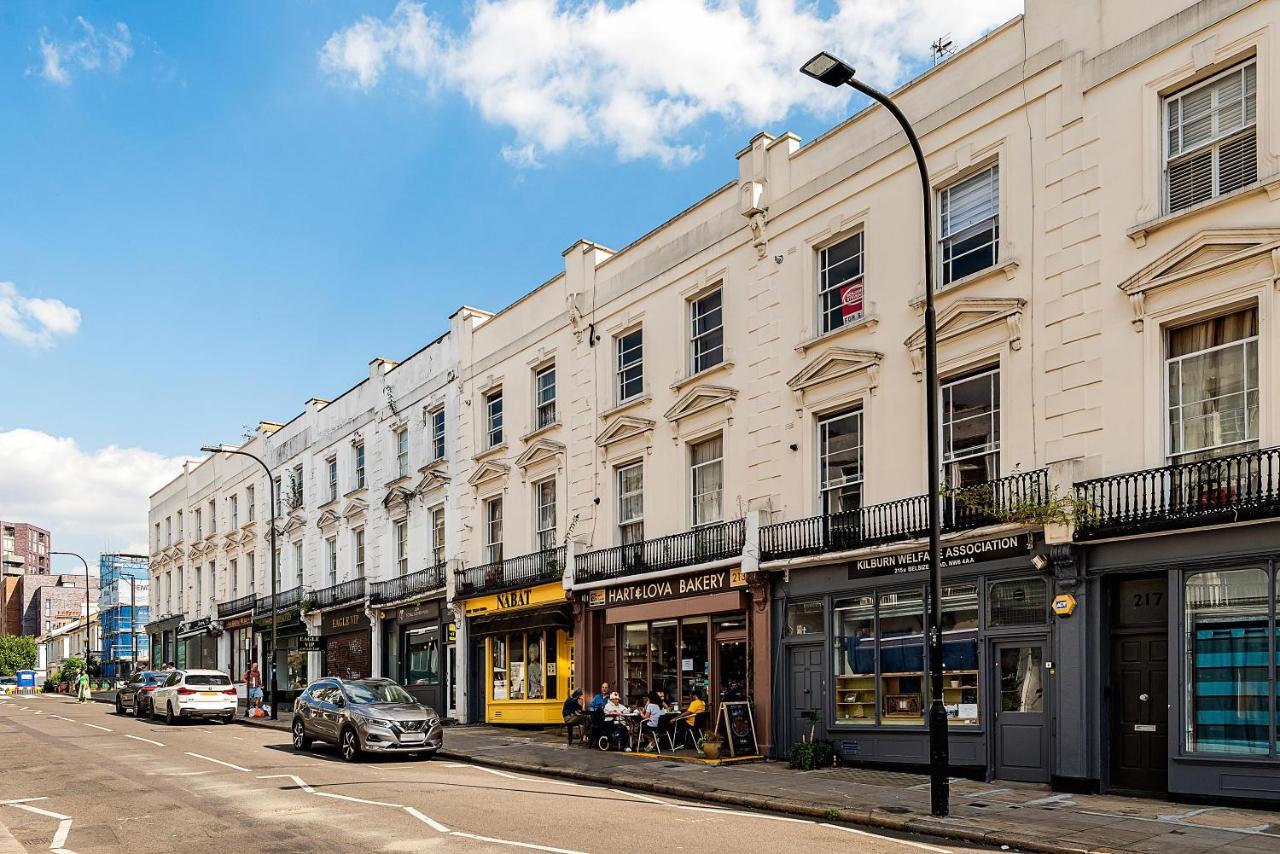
<point>1064,604</point>
<point>240,622</point>
<point>194,626</point>
<point>346,620</point>
<point>738,727</point>
<point>452,632</point>
<point>310,643</point>
<point>289,619</point>
<point>414,613</point>
<point>956,554</point>
<point>713,581</point>
<point>514,600</point>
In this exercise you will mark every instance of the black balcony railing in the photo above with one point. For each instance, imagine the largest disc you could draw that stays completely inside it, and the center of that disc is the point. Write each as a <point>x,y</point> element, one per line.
<point>710,542</point>
<point>536,568</point>
<point>284,599</point>
<point>347,591</point>
<point>237,606</point>
<point>406,586</point>
<point>1208,492</point>
<point>906,518</point>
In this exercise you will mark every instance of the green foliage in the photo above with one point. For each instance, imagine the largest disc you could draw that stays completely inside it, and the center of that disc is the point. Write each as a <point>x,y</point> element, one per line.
<point>95,666</point>
<point>1035,510</point>
<point>71,668</point>
<point>831,815</point>
<point>808,755</point>
<point>17,652</point>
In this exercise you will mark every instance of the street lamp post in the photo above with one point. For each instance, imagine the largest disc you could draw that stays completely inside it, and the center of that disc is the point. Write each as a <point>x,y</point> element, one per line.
<point>133,623</point>
<point>271,487</point>
<point>86,602</point>
<point>826,68</point>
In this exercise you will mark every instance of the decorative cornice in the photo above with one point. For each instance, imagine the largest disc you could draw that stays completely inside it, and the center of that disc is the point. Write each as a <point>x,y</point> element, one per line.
<point>622,428</point>
<point>836,363</point>
<point>968,315</point>
<point>700,398</point>
<point>540,451</point>
<point>487,471</point>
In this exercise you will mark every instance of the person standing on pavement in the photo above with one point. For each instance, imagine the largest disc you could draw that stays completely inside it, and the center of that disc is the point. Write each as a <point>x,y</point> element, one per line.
<point>253,687</point>
<point>82,687</point>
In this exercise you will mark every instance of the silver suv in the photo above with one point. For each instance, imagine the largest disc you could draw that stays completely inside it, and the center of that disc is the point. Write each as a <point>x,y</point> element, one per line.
<point>365,715</point>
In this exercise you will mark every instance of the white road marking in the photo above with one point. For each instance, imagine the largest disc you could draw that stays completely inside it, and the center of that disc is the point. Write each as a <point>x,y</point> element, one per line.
<point>297,781</point>
<point>641,797</point>
<point>219,761</point>
<point>357,800</point>
<point>140,738</point>
<point>64,822</point>
<point>920,845</point>
<point>428,820</point>
<point>38,811</point>
<point>95,726</point>
<point>61,718</point>
<point>60,838</point>
<point>740,813</point>
<point>515,844</point>
<point>24,800</point>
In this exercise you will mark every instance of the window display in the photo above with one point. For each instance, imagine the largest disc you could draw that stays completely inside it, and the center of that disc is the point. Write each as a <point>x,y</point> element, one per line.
<point>855,644</point>
<point>961,661</point>
<point>902,657</point>
<point>423,650</point>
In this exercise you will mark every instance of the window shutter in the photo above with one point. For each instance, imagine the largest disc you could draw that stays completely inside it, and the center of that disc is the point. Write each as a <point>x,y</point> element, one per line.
<point>1238,162</point>
<point>1190,181</point>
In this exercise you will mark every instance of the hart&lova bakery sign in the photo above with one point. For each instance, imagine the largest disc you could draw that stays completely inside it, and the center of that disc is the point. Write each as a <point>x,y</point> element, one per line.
<point>956,554</point>
<point>713,581</point>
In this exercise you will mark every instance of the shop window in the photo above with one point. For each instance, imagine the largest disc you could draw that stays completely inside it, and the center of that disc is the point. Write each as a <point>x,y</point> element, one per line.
<point>961,662</point>
<point>662,655</point>
<point>498,645</point>
<point>1227,638</point>
<point>805,618</point>
<point>902,657</point>
<point>515,665</point>
<point>422,648</point>
<point>695,664</point>
<point>1024,602</point>
<point>635,660</point>
<point>971,429</point>
<point>855,670</point>
<point>840,461</point>
<point>534,670</point>
<point>840,291</point>
<point>1212,382</point>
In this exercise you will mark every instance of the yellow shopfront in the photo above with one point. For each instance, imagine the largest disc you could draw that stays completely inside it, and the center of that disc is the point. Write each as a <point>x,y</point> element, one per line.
<point>527,637</point>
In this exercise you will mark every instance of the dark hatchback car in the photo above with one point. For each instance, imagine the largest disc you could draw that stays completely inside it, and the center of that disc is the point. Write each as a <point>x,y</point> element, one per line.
<point>365,716</point>
<point>135,695</point>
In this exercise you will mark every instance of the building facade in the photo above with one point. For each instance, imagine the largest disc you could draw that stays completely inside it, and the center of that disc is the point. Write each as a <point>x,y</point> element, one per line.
<point>696,464</point>
<point>24,550</point>
<point>125,589</point>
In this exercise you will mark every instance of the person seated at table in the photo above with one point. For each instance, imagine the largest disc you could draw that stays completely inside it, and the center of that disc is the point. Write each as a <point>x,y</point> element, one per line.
<point>600,699</point>
<point>573,714</point>
<point>615,716</point>
<point>688,719</point>
<point>660,697</point>
<point>651,717</point>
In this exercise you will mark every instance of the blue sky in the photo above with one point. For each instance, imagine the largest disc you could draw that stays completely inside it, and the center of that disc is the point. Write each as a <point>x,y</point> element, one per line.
<point>245,202</point>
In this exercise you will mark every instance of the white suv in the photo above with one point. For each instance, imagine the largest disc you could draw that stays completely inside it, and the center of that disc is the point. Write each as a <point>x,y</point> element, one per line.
<point>195,694</point>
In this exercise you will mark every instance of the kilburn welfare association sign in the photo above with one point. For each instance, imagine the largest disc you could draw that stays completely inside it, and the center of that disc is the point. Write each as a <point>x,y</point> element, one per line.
<point>715,581</point>
<point>957,554</point>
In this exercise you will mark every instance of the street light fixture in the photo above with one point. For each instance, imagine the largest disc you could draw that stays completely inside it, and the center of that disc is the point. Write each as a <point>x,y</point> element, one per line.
<point>86,602</point>
<point>271,487</point>
<point>829,70</point>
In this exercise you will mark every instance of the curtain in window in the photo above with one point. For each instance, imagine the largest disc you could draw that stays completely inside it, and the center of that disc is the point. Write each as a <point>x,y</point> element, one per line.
<point>708,480</point>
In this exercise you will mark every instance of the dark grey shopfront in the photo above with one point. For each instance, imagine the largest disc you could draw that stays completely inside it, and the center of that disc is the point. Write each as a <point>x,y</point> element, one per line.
<point>418,651</point>
<point>850,652</point>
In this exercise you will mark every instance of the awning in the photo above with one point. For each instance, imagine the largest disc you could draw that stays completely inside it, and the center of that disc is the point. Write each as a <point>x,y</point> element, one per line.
<point>559,617</point>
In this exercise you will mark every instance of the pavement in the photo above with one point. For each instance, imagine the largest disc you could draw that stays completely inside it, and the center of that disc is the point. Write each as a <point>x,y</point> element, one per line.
<point>78,778</point>
<point>1017,815</point>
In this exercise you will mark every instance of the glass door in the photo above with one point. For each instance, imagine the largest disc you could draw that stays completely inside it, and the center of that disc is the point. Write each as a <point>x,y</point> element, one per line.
<point>731,670</point>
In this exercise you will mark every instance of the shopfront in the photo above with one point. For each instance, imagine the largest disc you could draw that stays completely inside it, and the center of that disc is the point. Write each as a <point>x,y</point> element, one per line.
<point>198,645</point>
<point>415,642</point>
<point>290,658</point>
<point>692,635</point>
<point>164,635</point>
<point>1186,646</point>
<point>850,645</point>
<point>347,646</point>
<point>241,650</point>
<point>524,641</point>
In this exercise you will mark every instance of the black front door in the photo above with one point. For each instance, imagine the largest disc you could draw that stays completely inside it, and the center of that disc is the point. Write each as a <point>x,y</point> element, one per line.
<point>1022,705</point>
<point>1139,685</point>
<point>806,695</point>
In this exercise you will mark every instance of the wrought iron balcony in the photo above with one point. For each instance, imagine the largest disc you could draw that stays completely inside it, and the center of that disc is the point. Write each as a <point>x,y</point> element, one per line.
<point>1237,488</point>
<point>906,518</point>
<point>237,606</point>
<point>347,591</point>
<point>537,568</point>
<point>284,599</point>
<point>701,545</point>
<point>406,586</point>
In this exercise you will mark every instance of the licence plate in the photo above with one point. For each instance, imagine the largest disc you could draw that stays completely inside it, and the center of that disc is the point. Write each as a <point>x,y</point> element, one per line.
<point>208,693</point>
<point>412,738</point>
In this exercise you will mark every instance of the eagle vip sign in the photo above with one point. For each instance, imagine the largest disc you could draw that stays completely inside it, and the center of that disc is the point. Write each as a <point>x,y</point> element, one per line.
<point>1064,604</point>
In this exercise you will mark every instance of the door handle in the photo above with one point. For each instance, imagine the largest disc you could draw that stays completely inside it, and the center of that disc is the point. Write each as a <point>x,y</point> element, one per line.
<point>1143,697</point>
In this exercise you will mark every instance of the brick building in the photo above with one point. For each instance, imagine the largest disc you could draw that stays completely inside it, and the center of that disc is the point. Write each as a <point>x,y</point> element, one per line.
<point>48,601</point>
<point>24,549</point>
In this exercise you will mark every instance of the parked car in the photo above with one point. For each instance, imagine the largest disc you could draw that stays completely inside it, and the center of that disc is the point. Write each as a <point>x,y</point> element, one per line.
<point>365,716</point>
<point>135,694</point>
<point>194,694</point>
<point>8,684</point>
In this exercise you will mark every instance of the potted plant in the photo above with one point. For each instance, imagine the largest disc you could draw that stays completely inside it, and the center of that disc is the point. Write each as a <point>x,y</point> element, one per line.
<point>709,745</point>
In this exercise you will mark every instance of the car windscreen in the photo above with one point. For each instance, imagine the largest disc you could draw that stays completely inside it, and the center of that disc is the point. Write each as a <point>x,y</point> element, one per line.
<point>367,693</point>
<point>208,679</point>
<point>154,678</point>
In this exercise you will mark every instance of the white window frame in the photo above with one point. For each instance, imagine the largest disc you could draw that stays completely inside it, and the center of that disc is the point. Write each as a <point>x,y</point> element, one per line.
<point>437,535</point>
<point>544,396</point>
<point>629,360</point>
<point>493,530</point>
<point>199,524</point>
<point>1217,140</point>
<point>233,573</point>
<point>544,514</point>
<point>250,493</point>
<point>358,459</point>
<point>626,522</point>
<point>251,567</point>
<point>694,470</point>
<point>825,488</point>
<point>234,501</point>
<point>1170,361</point>
<point>943,197</point>
<point>357,551</point>
<point>331,464</point>
<point>696,338</point>
<point>402,451</point>
<point>297,561</point>
<point>947,427</point>
<point>331,561</point>
<point>213,516</point>
<point>826,287</point>
<point>438,448</point>
<point>493,425</point>
<point>401,531</point>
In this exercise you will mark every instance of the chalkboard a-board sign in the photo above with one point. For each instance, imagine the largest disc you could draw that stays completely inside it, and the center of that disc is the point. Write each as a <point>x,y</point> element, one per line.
<point>738,727</point>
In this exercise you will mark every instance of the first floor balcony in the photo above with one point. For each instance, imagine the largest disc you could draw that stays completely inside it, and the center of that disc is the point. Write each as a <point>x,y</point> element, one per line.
<point>240,605</point>
<point>536,568</point>
<point>338,594</point>
<point>284,599</point>
<point>1236,488</point>
<point>407,586</point>
<point>704,544</point>
<point>1008,499</point>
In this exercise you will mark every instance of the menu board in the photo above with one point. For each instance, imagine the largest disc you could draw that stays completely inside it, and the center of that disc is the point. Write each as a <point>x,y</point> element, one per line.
<point>738,727</point>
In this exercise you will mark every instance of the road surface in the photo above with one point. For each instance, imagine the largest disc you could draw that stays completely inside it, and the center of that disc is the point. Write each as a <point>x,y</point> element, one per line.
<point>79,778</point>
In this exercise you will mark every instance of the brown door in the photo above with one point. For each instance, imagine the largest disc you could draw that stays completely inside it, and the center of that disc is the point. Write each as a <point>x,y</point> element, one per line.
<point>1139,685</point>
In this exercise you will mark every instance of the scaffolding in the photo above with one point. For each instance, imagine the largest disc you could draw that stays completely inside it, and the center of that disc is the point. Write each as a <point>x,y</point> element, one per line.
<point>123,597</point>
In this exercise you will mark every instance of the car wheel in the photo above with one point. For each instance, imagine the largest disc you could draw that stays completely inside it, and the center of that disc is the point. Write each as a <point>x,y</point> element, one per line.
<point>137,708</point>
<point>228,719</point>
<point>168,714</point>
<point>119,706</point>
<point>151,711</point>
<point>350,745</point>
<point>301,741</point>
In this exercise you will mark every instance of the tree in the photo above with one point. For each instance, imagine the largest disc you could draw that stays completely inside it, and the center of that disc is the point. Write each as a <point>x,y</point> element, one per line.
<point>71,667</point>
<point>17,652</point>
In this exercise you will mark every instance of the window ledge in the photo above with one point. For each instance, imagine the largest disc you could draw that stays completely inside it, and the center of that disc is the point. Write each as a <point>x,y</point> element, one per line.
<point>400,481</point>
<point>1009,268</point>
<point>434,465</point>
<point>1139,233</point>
<point>493,451</point>
<point>540,431</point>
<point>868,321</point>
<point>637,401</point>
<point>359,490</point>
<point>700,375</point>
<point>326,505</point>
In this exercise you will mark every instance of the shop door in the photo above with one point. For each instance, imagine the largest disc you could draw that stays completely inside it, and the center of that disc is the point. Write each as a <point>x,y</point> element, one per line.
<point>731,670</point>
<point>1021,704</point>
<point>451,679</point>
<point>807,689</point>
<point>1139,685</point>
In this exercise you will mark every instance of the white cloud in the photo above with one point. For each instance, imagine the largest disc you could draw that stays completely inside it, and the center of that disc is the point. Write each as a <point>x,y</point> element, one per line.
<point>32,321</point>
<point>90,500</point>
<point>87,49</point>
<point>639,76</point>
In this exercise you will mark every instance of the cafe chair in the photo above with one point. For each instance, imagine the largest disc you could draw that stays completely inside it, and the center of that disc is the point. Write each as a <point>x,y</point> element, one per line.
<point>694,728</point>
